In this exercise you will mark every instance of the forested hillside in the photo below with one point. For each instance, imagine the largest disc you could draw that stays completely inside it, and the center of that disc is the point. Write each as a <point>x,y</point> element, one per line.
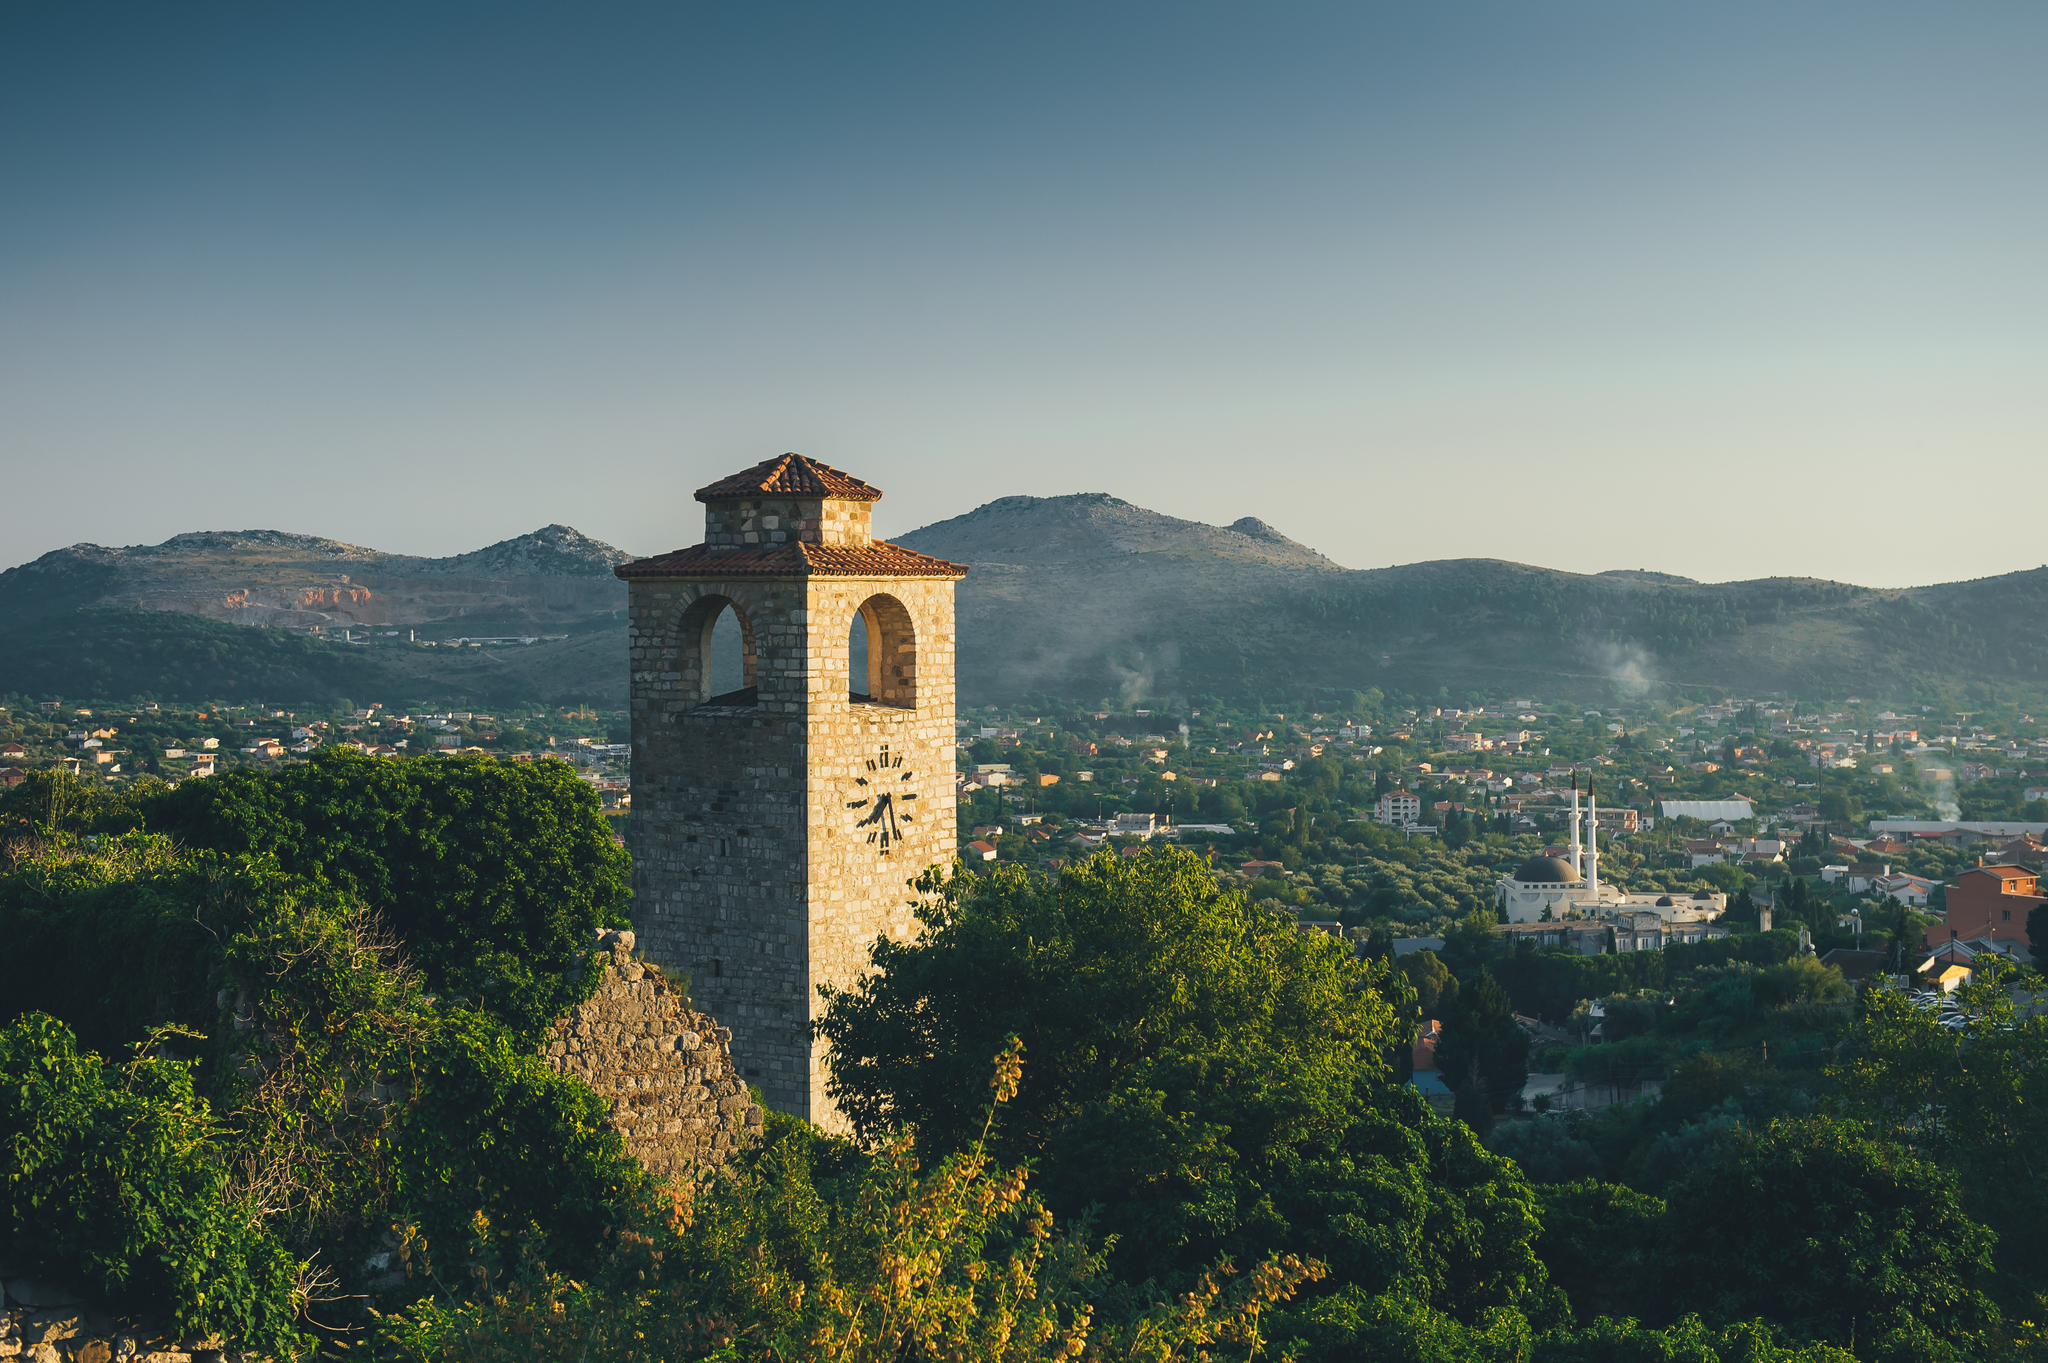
<point>1144,606</point>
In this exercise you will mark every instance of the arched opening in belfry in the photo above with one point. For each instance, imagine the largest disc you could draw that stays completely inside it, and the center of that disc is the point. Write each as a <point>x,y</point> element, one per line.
<point>881,647</point>
<point>715,654</point>
<point>727,661</point>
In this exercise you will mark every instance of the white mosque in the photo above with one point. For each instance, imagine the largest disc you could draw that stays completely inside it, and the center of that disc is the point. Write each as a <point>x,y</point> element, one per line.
<point>1548,889</point>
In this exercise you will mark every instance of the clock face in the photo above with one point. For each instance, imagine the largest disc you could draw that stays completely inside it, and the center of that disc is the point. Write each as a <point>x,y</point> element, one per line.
<point>882,800</point>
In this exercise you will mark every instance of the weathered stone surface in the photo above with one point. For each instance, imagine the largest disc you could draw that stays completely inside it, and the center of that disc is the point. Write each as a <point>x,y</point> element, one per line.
<point>681,1111</point>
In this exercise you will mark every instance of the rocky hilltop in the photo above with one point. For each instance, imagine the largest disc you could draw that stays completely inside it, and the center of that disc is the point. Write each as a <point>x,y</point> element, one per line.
<point>270,577</point>
<point>1094,525</point>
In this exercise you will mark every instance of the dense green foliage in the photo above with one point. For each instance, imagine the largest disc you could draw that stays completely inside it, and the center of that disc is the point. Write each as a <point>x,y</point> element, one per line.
<point>1190,1052</point>
<point>1974,1099</point>
<point>495,875</point>
<point>113,1183</point>
<point>1831,1235</point>
<point>812,1249</point>
<point>1193,1080</point>
<point>352,1102</point>
<point>116,942</point>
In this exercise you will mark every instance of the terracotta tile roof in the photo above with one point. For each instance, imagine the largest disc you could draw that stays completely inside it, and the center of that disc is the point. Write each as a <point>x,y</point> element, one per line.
<point>878,558</point>
<point>790,475</point>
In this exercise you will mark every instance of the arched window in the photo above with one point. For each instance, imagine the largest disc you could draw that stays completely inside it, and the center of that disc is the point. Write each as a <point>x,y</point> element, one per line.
<point>715,654</point>
<point>881,646</point>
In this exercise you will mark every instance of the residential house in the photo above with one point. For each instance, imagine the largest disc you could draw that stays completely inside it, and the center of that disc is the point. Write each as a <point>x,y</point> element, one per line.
<point>1397,808</point>
<point>981,850</point>
<point>12,752</point>
<point>1910,890</point>
<point>1991,902</point>
<point>1864,875</point>
<point>2020,852</point>
<point>1857,967</point>
<point>1425,1077</point>
<point>1709,851</point>
<point>12,776</point>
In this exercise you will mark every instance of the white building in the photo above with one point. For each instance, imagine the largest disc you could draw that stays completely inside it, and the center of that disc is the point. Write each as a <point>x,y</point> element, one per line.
<point>1398,808</point>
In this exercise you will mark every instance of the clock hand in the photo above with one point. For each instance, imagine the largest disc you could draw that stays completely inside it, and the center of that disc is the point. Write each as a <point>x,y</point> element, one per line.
<point>881,808</point>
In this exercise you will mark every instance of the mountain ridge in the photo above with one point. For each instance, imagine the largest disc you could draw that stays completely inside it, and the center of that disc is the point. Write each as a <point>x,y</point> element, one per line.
<point>1088,596</point>
<point>283,579</point>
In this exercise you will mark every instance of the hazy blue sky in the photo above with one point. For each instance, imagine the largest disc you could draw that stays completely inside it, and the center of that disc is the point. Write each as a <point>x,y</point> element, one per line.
<point>1722,289</point>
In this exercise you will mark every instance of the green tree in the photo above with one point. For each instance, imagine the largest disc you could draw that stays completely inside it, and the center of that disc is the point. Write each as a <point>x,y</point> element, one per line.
<point>1436,989</point>
<point>1482,1037</point>
<point>1974,1098</point>
<point>1205,1076</point>
<point>1597,1241</point>
<point>1841,806</point>
<point>2037,931</point>
<point>1882,1249</point>
<point>495,875</point>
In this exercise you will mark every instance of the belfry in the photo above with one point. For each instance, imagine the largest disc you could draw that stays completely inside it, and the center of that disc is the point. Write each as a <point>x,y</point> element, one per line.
<point>776,824</point>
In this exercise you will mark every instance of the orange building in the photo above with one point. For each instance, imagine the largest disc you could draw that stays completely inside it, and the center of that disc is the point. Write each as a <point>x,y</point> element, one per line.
<point>1989,901</point>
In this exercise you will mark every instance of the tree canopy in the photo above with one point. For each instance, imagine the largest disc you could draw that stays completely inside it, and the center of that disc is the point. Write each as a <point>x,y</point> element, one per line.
<point>1204,1076</point>
<point>496,875</point>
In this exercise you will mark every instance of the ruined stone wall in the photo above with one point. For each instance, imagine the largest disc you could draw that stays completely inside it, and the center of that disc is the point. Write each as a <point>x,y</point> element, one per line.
<point>665,1070</point>
<point>42,1323</point>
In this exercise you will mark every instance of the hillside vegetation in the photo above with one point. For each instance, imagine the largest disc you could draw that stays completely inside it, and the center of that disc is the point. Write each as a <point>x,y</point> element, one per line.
<point>111,651</point>
<point>1090,596</point>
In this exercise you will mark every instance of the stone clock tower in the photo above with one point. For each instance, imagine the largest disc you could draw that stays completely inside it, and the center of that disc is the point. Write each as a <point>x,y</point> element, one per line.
<point>775,826</point>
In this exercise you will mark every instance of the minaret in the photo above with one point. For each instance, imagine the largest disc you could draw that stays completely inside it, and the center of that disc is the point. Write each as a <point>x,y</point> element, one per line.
<point>1593,843</point>
<point>1577,868</point>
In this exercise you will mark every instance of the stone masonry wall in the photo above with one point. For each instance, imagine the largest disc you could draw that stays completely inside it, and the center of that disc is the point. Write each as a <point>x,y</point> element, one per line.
<point>42,1323</point>
<point>665,1069</point>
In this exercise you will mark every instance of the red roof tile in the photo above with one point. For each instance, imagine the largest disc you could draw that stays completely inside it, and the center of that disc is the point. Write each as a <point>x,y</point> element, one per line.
<point>790,475</point>
<point>878,558</point>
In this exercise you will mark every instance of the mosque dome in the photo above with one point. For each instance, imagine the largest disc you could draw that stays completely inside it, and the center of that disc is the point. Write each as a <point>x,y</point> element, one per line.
<point>1547,871</point>
<point>1664,902</point>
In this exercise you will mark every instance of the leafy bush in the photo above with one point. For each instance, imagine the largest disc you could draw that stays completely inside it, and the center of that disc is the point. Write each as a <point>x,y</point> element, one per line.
<point>495,875</point>
<point>114,1184</point>
<point>113,938</point>
<point>876,1263</point>
<point>1802,979</point>
<point>1610,1340</point>
<point>349,1100</point>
